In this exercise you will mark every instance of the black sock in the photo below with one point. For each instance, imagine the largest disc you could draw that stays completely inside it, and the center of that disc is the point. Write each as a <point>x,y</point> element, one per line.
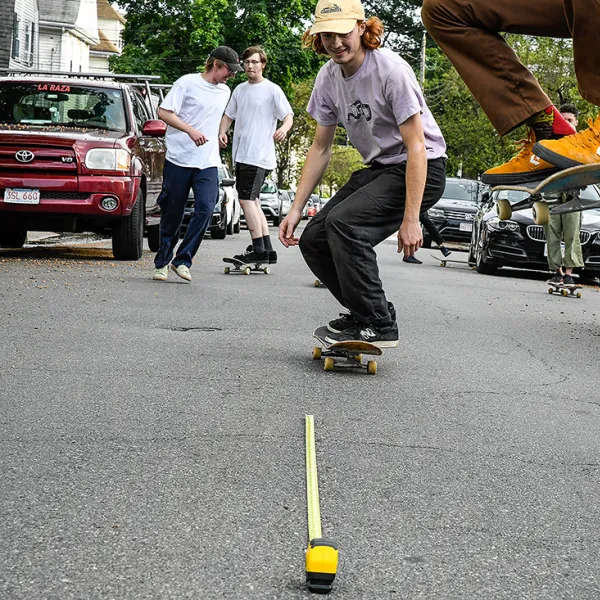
<point>267,242</point>
<point>259,245</point>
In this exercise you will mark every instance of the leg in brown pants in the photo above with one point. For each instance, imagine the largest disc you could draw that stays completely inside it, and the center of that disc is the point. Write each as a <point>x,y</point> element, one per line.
<point>467,31</point>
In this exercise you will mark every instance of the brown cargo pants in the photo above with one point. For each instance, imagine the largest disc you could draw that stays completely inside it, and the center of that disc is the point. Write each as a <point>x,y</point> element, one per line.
<point>468,32</point>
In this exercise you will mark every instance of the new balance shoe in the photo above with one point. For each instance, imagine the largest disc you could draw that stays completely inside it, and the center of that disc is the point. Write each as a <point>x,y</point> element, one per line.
<point>272,254</point>
<point>182,271</point>
<point>412,259</point>
<point>161,274</point>
<point>556,279</point>
<point>568,281</point>
<point>445,251</point>
<point>346,320</point>
<point>382,337</point>
<point>581,148</point>
<point>251,256</point>
<point>524,167</point>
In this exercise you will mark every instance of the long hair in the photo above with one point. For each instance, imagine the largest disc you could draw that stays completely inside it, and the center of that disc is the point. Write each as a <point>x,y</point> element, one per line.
<point>371,38</point>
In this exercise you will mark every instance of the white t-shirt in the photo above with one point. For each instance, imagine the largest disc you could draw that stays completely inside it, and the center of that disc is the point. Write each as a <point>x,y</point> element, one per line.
<point>256,107</point>
<point>199,104</point>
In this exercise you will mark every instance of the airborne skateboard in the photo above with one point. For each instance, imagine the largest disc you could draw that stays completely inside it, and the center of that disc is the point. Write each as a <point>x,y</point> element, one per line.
<point>559,188</point>
<point>351,351</point>
<point>564,290</point>
<point>245,268</point>
<point>444,261</point>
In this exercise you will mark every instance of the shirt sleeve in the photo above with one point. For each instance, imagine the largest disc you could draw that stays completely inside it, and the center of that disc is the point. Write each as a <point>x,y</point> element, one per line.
<point>174,99</point>
<point>403,94</point>
<point>320,107</point>
<point>282,106</point>
<point>231,110</point>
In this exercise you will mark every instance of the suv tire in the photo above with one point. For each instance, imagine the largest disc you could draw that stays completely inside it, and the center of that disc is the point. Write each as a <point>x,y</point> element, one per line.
<point>128,233</point>
<point>481,266</point>
<point>153,238</point>
<point>12,238</point>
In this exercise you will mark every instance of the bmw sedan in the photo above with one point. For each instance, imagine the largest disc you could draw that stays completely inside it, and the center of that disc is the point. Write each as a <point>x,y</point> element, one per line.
<point>519,242</point>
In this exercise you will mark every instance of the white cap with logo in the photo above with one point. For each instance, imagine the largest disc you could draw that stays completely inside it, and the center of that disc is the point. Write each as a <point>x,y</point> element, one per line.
<point>337,16</point>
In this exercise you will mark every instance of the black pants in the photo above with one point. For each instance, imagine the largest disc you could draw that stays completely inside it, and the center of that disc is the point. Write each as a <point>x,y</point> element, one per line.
<point>432,230</point>
<point>338,243</point>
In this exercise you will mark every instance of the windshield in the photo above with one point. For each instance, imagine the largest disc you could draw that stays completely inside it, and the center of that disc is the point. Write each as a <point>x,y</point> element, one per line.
<point>61,104</point>
<point>591,192</point>
<point>268,188</point>
<point>459,191</point>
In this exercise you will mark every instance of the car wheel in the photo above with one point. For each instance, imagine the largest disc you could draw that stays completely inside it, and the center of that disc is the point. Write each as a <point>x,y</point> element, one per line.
<point>276,221</point>
<point>219,234</point>
<point>12,238</point>
<point>230,226</point>
<point>471,258</point>
<point>153,236</point>
<point>481,266</point>
<point>128,233</point>
<point>237,226</point>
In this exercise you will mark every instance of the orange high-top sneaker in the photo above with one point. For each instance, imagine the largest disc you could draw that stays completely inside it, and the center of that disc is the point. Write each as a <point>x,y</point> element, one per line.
<point>524,167</point>
<point>581,148</point>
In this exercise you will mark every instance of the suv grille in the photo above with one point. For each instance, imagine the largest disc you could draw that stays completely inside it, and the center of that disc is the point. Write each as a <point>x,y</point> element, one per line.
<point>459,216</point>
<point>45,158</point>
<point>537,233</point>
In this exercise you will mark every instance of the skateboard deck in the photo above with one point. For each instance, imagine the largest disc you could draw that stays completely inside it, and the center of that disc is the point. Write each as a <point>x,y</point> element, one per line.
<point>245,268</point>
<point>564,290</point>
<point>351,351</point>
<point>443,260</point>
<point>560,188</point>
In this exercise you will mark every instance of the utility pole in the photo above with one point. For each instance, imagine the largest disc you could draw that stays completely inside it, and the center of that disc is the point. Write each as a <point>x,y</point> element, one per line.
<point>423,49</point>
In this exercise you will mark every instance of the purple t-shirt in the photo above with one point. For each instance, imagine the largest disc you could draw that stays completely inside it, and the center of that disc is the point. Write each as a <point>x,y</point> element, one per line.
<point>371,104</point>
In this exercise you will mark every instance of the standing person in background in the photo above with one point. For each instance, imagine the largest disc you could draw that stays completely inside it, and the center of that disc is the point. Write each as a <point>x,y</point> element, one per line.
<point>255,106</point>
<point>192,110</point>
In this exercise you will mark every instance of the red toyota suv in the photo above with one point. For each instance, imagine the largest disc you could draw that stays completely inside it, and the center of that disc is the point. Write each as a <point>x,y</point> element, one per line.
<point>78,154</point>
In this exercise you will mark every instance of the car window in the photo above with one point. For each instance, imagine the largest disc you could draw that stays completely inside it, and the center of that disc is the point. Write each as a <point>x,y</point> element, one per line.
<point>285,196</point>
<point>459,191</point>
<point>61,104</point>
<point>268,188</point>
<point>140,110</point>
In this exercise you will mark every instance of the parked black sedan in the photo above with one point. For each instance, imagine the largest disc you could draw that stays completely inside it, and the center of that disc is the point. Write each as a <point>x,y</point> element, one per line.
<point>519,242</point>
<point>453,213</point>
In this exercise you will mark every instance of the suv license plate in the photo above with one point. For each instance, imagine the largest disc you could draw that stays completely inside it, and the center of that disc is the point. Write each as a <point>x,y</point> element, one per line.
<point>466,227</point>
<point>21,196</point>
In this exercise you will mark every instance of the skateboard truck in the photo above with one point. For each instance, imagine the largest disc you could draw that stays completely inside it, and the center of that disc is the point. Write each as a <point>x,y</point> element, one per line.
<point>321,565</point>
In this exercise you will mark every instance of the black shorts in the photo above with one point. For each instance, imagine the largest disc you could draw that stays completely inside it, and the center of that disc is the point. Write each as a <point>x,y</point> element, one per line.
<point>248,181</point>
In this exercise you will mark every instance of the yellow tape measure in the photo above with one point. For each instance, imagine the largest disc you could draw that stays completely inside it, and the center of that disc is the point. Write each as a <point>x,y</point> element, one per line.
<point>322,553</point>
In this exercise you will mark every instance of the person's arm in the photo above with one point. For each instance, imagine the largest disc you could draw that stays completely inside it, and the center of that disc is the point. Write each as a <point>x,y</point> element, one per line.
<point>170,118</point>
<point>315,165</point>
<point>282,132</point>
<point>223,129</point>
<point>410,236</point>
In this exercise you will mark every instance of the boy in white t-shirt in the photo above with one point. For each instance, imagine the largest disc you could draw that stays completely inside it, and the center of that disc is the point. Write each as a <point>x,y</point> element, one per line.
<point>192,110</point>
<point>255,106</point>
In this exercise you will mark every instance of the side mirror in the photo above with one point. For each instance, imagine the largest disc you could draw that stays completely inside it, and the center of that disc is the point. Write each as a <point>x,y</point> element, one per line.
<point>227,182</point>
<point>154,128</point>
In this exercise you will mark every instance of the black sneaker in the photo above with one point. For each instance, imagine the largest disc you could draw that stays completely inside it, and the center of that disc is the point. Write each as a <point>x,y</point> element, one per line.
<point>445,251</point>
<point>568,281</point>
<point>272,257</point>
<point>250,256</point>
<point>412,259</point>
<point>557,279</point>
<point>382,337</point>
<point>346,321</point>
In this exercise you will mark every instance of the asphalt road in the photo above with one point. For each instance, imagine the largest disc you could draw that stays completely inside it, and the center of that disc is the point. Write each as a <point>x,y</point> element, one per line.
<point>152,434</point>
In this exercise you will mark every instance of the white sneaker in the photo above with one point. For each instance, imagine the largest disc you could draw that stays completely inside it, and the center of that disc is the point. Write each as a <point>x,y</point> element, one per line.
<point>161,274</point>
<point>182,271</point>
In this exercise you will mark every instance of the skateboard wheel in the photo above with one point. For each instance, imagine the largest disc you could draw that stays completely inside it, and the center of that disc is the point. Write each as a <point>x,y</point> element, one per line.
<point>317,283</point>
<point>316,353</point>
<point>541,213</point>
<point>549,290</point>
<point>564,293</point>
<point>247,271</point>
<point>266,270</point>
<point>226,270</point>
<point>504,209</point>
<point>358,357</point>
<point>371,367</point>
<point>579,294</point>
<point>328,366</point>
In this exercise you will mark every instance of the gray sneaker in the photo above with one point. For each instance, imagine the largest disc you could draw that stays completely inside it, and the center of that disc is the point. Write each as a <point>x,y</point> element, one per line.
<point>182,271</point>
<point>161,274</point>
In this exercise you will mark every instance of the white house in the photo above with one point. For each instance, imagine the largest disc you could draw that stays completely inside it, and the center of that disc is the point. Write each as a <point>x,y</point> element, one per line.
<point>24,41</point>
<point>110,29</point>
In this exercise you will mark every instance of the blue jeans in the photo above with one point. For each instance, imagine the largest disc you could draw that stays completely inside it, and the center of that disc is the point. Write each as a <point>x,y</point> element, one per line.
<point>177,182</point>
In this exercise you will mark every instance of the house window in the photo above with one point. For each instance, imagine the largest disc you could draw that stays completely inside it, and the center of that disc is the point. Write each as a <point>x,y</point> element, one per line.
<point>28,44</point>
<point>16,37</point>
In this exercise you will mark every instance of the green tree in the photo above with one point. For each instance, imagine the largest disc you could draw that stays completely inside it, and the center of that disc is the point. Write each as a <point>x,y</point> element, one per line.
<point>344,161</point>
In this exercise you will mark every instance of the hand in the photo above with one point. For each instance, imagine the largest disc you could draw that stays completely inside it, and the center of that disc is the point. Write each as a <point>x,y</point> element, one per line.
<point>288,226</point>
<point>197,137</point>
<point>280,134</point>
<point>410,237</point>
<point>223,140</point>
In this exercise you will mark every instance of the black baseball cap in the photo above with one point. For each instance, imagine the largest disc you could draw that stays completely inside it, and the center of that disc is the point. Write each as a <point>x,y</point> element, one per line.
<point>228,56</point>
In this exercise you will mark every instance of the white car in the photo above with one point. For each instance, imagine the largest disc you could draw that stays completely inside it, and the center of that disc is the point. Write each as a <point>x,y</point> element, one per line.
<point>233,207</point>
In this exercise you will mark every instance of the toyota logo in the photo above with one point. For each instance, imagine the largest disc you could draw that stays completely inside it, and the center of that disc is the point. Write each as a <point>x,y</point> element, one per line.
<point>24,156</point>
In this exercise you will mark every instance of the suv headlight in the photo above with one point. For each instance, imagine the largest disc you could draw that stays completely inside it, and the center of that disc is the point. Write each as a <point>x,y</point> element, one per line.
<point>436,213</point>
<point>498,225</point>
<point>108,159</point>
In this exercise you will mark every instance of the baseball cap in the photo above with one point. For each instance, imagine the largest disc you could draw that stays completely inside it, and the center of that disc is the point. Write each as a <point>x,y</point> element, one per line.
<point>228,56</point>
<point>337,16</point>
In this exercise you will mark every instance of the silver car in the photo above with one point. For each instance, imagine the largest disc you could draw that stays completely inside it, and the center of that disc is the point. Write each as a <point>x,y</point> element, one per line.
<point>269,201</point>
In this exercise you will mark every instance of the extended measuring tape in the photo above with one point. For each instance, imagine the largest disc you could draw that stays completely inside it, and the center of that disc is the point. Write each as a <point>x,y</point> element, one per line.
<point>322,553</point>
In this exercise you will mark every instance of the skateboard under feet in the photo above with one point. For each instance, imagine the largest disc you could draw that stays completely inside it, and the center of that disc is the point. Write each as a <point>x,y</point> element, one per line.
<point>444,261</point>
<point>564,290</point>
<point>350,353</point>
<point>245,268</point>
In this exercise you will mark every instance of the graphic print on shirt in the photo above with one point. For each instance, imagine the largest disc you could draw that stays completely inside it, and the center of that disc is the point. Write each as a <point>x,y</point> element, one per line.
<point>357,110</point>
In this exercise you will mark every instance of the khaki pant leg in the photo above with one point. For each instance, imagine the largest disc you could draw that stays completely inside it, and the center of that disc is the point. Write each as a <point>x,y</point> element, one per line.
<point>571,224</point>
<point>468,32</point>
<point>554,236</point>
